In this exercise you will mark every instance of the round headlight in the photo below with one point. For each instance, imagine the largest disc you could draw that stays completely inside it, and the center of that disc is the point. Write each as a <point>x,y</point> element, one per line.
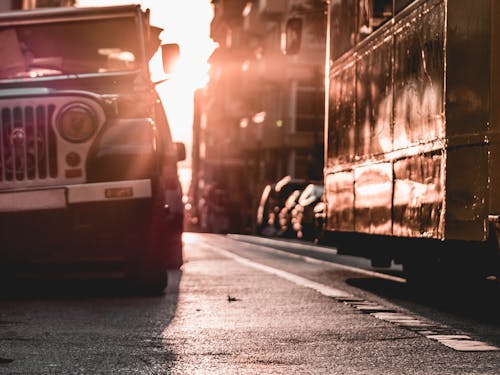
<point>77,123</point>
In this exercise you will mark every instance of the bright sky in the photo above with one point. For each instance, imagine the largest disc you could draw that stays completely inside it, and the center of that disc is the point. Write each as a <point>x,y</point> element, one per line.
<point>188,24</point>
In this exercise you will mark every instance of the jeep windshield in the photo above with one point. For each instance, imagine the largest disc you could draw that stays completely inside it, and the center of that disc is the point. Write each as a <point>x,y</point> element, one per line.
<point>68,48</point>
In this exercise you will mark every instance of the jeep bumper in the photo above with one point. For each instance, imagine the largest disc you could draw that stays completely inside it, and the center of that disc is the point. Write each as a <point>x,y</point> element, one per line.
<point>62,197</point>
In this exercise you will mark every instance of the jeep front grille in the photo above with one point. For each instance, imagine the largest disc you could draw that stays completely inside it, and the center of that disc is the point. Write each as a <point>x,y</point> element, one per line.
<point>28,147</point>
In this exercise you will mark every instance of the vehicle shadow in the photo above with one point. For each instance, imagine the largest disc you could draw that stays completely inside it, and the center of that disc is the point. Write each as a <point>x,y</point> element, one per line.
<point>478,301</point>
<point>93,311</point>
<point>28,287</point>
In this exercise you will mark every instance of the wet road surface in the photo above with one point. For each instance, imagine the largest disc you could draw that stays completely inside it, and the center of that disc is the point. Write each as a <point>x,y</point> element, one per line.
<point>246,308</point>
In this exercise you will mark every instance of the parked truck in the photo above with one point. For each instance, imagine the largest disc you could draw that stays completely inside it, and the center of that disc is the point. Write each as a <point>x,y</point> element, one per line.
<point>411,169</point>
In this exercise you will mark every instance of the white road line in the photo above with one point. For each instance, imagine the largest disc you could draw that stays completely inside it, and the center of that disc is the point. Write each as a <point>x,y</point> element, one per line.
<point>453,341</point>
<point>282,243</point>
<point>321,288</point>
<point>309,259</point>
<point>463,343</point>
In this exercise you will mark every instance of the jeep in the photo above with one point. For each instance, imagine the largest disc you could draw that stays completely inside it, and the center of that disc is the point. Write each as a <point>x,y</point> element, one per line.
<point>88,169</point>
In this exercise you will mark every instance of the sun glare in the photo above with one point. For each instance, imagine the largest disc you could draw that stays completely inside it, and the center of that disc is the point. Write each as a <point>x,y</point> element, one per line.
<point>186,23</point>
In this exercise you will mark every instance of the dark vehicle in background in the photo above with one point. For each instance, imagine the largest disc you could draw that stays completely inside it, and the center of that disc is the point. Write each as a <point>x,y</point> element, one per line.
<point>88,169</point>
<point>272,201</point>
<point>264,209</point>
<point>319,218</point>
<point>285,215</point>
<point>303,215</point>
<point>218,213</point>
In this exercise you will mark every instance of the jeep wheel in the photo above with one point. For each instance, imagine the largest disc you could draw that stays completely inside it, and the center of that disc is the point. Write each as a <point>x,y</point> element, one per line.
<point>174,257</point>
<point>151,279</point>
<point>147,260</point>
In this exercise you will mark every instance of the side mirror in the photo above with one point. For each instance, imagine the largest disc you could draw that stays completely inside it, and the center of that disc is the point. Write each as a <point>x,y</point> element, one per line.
<point>181,151</point>
<point>292,37</point>
<point>170,55</point>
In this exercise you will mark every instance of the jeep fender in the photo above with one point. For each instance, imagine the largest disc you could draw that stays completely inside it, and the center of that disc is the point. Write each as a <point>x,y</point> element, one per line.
<point>125,149</point>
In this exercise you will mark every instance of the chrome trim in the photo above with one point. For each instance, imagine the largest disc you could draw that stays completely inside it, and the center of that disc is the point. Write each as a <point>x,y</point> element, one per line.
<point>96,192</point>
<point>32,200</point>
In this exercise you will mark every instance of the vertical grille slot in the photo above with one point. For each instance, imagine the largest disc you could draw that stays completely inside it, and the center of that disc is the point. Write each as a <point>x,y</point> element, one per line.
<point>52,142</point>
<point>31,143</point>
<point>2,147</point>
<point>18,147</point>
<point>7,161</point>
<point>41,127</point>
<point>28,144</point>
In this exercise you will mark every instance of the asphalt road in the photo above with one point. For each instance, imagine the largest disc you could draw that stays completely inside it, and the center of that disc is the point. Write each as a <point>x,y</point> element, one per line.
<point>242,306</point>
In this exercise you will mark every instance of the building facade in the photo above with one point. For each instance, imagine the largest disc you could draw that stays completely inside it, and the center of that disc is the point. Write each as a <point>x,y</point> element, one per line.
<point>261,115</point>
